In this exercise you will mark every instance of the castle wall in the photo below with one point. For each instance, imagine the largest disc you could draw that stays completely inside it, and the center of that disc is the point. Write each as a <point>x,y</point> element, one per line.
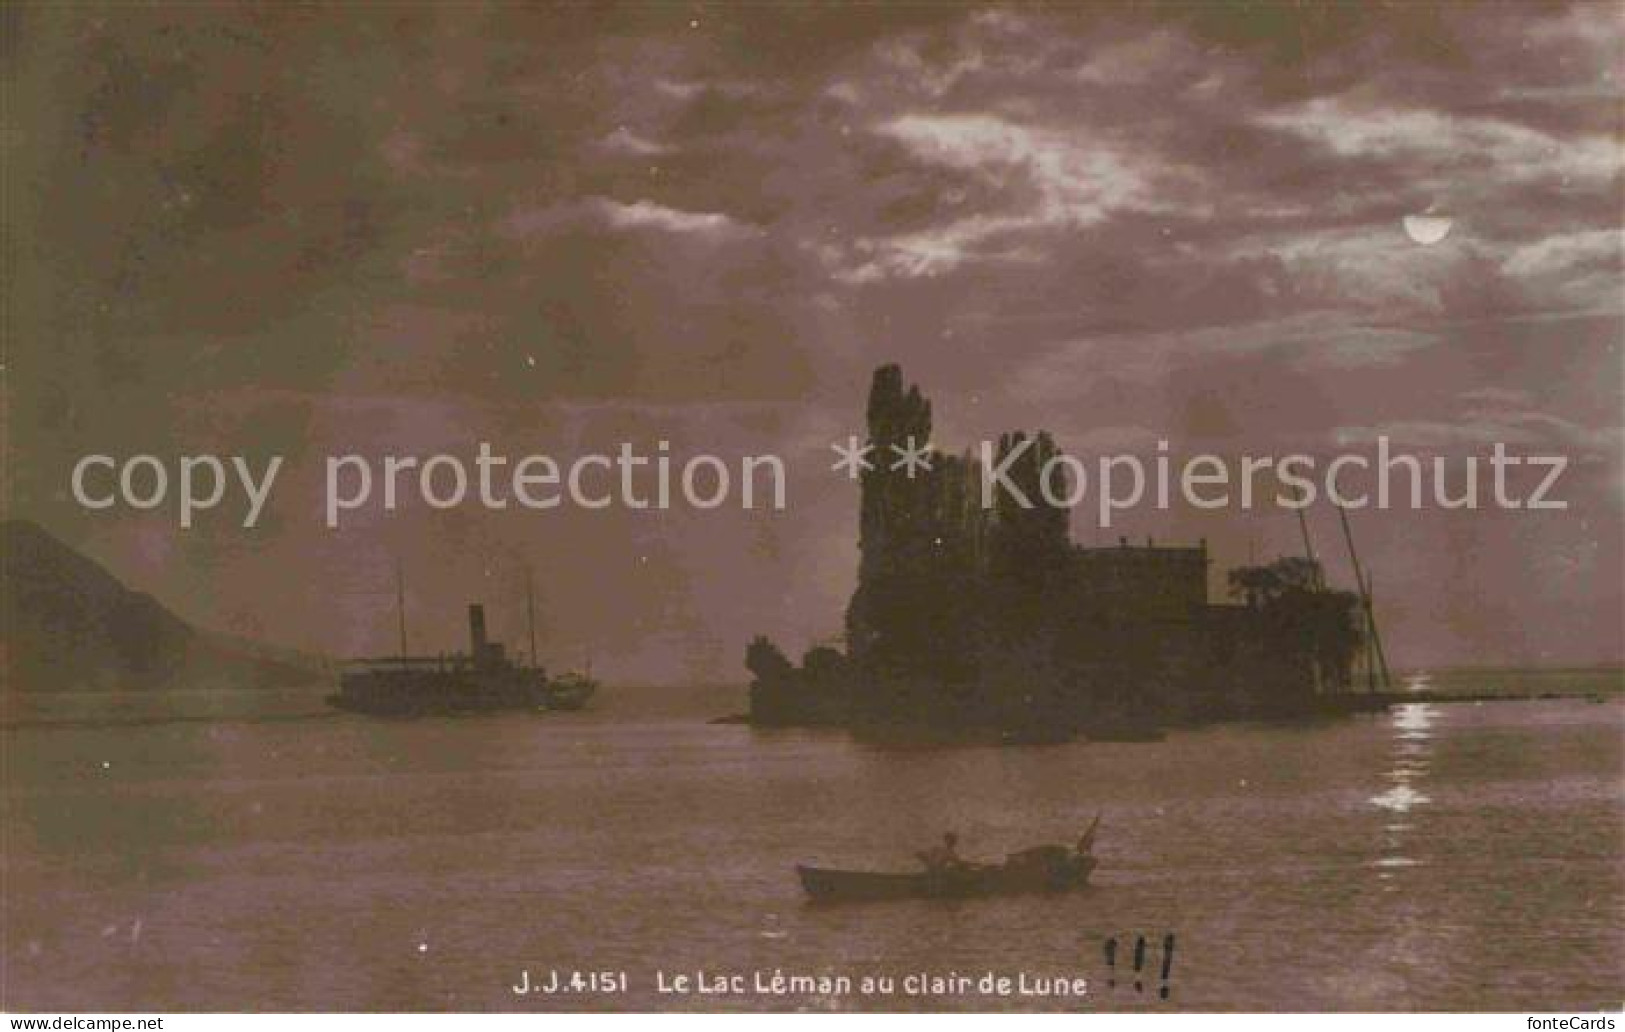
<point>1146,581</point>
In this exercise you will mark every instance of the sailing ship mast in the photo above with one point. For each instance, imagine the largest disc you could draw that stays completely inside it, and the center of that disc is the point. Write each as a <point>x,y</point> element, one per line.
<point>530,614</point>
<point>1317,583</point>
<point>1376,638</point>
<point>1309,549</point>
<point>1374,653</point>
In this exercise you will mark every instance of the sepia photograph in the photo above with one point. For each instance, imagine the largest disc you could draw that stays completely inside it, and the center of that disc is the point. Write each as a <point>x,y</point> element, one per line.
<point>1110,507</point>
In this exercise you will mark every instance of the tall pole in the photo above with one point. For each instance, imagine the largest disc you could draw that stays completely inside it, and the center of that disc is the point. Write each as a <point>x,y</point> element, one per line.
<point>1365,607</point>
<point>1315,582</point>
<point>1354,557</point>
<point>1373,640</point>
<point>1376,637</point>
<point>1370,645</point>
<point>1308,543</point>
<point>1309,547</point>
<point>530,614</point>
<point>400,603</point>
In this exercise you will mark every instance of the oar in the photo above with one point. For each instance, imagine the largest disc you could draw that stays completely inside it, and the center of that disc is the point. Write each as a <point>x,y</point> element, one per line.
<point>1087,842</point>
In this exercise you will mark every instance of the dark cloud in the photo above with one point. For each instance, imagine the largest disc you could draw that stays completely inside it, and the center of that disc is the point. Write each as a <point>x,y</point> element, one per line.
<point>309,230</point>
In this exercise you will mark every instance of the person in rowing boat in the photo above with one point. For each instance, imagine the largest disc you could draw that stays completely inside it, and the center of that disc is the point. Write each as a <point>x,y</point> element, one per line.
<point>944,857</point>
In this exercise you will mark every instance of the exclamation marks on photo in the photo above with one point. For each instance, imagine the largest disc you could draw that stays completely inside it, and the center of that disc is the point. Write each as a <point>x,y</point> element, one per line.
<point>1167,963</point>
<point>1142,948</point>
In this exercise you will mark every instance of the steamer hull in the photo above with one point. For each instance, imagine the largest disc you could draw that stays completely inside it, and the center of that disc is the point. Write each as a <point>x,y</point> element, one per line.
<point>483,680</point>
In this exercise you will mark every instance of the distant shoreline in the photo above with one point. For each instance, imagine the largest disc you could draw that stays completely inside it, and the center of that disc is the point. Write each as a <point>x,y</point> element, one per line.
<point>18,698</point>
<point>1596,668</point>
<point>1399,674</point>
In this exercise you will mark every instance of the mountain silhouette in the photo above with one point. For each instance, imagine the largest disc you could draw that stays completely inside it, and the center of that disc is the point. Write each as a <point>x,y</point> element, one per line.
<point>66,624</point>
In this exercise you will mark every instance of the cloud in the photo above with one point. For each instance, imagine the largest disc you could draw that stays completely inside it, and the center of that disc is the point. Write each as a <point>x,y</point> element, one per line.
<point>648,215</point>
<point>1437,145</point>
<point>1421,433</point>
<point>1478,428</point>
<point>929,252</point>
<point>1073,179</point>
<point>1106,220</point>
<point>1567,252</point>
<point>625,141</point>
<point>1314,341</point>
<point>1367,267</point>
<point>618,215</point>
<point>1495,397</point>
<point>1044,179</point>
<point>1362,347</point>
<point>1580,270</point>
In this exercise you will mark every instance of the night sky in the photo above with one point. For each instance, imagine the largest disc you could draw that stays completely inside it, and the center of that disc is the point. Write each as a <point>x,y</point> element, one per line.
<point>275,230</point>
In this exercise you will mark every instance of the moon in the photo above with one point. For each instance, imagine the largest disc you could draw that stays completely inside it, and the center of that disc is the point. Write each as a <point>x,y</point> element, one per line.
<point>1427,229</point>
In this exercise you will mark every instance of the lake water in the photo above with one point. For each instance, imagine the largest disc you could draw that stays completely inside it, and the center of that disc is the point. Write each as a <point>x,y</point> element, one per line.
<point>1459,856</point>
